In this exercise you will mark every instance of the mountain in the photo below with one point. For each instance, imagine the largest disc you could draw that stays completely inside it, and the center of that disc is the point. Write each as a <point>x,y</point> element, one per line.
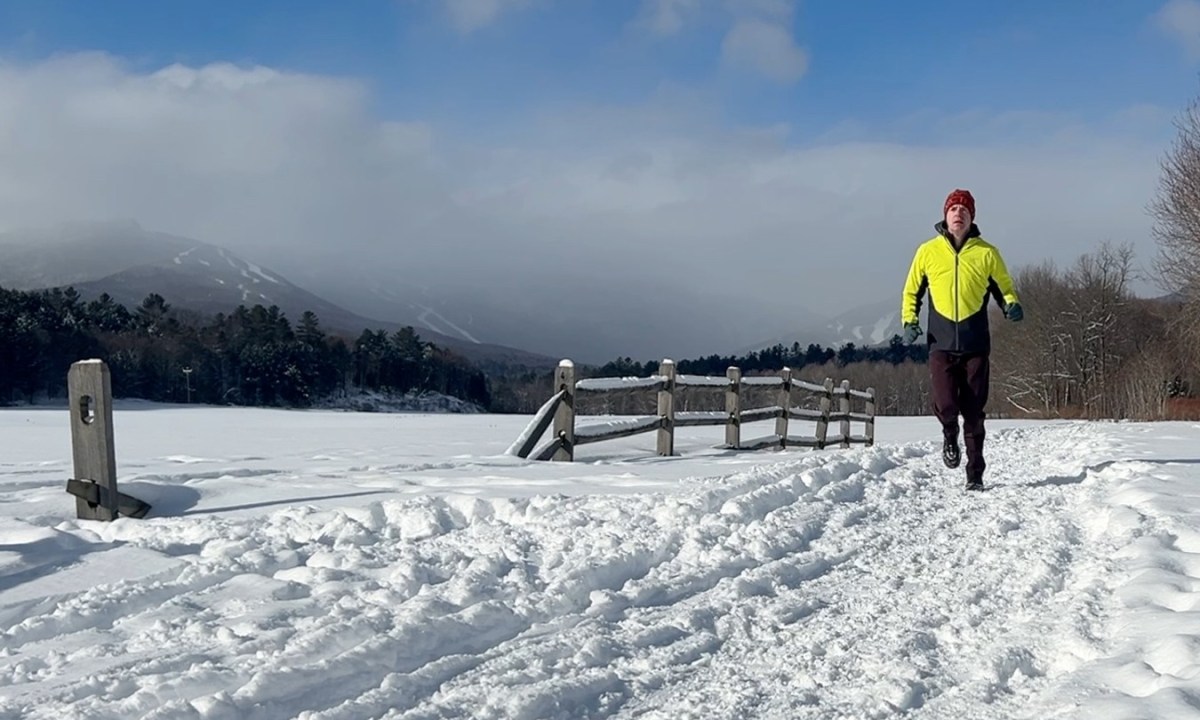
<point>559,309</point>
<point>870,324</point>
<point>589,316</point>
<point>128,263</point>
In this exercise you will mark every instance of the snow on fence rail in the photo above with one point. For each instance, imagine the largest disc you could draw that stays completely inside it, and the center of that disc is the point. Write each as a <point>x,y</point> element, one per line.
<point>566,435</point>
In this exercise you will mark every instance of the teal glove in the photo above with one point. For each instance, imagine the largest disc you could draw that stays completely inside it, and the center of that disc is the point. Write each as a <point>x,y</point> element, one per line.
<point>912,331</point>
<point>1013,312</point>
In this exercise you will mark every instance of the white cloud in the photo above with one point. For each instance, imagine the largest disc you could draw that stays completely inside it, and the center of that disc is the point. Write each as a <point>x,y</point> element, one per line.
<point>666,17</point>
<point>295,172</point>
<point>470,15</point>
<point>776,10</point>
<point>765,47</point>
<point>1180,20</point>
<point>759,37</point>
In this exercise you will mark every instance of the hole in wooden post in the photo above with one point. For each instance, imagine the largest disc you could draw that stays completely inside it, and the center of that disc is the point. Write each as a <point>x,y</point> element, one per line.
<point>87,409</point>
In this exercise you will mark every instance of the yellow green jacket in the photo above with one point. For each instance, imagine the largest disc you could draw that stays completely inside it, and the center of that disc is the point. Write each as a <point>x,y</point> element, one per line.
<point>959,282</point>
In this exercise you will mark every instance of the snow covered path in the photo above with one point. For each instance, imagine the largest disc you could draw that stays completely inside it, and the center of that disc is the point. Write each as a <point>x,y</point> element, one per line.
<point>840,583</point>
<point>856,588</point>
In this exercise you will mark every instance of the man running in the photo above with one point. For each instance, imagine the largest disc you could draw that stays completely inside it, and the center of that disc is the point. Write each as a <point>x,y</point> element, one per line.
<point>960,270</point>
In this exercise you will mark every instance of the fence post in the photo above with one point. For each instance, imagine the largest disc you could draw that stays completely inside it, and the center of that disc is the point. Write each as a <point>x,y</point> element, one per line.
<point>666,409</point>
<point>844,409</point>
<point>89,391</point>
<point>826,407</point>
<point>564,416</point>
<point>733,408</point>
<point>785,400</point>
<point>869,430</point>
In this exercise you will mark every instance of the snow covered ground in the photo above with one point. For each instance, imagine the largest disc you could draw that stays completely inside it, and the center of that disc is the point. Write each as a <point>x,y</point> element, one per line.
<point>322,564</point>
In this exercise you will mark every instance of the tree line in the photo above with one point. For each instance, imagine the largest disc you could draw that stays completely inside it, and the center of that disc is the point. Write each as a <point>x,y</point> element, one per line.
<point>893,368</point>
<point>1088,348</point>
<point>251,356</point>
<point>771,359</point>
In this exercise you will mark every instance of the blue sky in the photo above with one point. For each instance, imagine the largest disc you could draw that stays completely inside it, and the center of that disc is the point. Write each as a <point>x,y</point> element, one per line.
<point>503,148</point>
<point>866,63</point>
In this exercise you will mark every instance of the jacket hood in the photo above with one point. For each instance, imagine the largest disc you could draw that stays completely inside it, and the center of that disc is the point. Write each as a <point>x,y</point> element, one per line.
<point>944,230</point>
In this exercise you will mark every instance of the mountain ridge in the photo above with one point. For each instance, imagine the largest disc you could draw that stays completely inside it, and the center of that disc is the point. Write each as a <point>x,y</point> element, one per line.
<point>128,263</point>
<point>869,324</point>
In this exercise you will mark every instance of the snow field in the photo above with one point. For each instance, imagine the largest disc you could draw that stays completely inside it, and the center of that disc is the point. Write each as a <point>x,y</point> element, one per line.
<point>839,583</point>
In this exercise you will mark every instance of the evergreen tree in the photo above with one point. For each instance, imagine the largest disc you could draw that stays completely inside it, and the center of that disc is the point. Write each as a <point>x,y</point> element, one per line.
<point>250,356</point>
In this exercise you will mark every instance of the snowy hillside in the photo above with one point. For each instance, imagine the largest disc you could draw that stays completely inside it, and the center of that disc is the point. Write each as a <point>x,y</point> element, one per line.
<point>128,263</point>
<point>870,324</point>
<point>251,281</point>
<point>337,565</point>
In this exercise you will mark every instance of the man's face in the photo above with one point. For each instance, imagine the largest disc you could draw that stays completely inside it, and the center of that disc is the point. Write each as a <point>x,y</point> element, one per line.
<point>958,219</point>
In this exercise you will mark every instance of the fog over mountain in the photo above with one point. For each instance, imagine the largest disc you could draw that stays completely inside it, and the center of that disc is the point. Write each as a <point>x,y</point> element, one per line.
<point>128,263</point>
<point>872,323</point>
<point>585,231</point>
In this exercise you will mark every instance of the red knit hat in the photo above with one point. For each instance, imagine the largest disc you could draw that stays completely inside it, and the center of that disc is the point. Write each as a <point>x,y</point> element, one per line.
<point>960,197</point>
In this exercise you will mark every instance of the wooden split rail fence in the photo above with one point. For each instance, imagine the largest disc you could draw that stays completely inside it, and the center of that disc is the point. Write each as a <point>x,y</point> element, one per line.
<point>566,435</point>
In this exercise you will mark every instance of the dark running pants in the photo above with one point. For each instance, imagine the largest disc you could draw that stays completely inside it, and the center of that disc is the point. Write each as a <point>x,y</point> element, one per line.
<point>960,388</point>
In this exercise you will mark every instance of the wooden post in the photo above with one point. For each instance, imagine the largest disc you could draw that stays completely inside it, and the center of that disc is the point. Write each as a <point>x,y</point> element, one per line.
<point>869,430</point>
<point>666,409</point>
<point>564,416</point>
<point>785,400</point>
<point>826,407</point>
<point>89,391</point>
<point>844,409</point>
<point>733,408</point>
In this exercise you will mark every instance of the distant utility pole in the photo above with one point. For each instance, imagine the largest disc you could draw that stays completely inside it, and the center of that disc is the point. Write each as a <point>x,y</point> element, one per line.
<point>187,375</point>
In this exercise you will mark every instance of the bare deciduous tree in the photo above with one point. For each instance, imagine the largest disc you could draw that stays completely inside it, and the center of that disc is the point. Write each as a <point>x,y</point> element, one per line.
<point>1031,362</point>
<point>1176,213</point>
<point>1079,332</point>
<point>1098,298</point>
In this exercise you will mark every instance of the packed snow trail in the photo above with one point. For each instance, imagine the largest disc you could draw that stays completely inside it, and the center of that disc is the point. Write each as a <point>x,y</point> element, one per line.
<point>839,583</point>
<point>860,587</point>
